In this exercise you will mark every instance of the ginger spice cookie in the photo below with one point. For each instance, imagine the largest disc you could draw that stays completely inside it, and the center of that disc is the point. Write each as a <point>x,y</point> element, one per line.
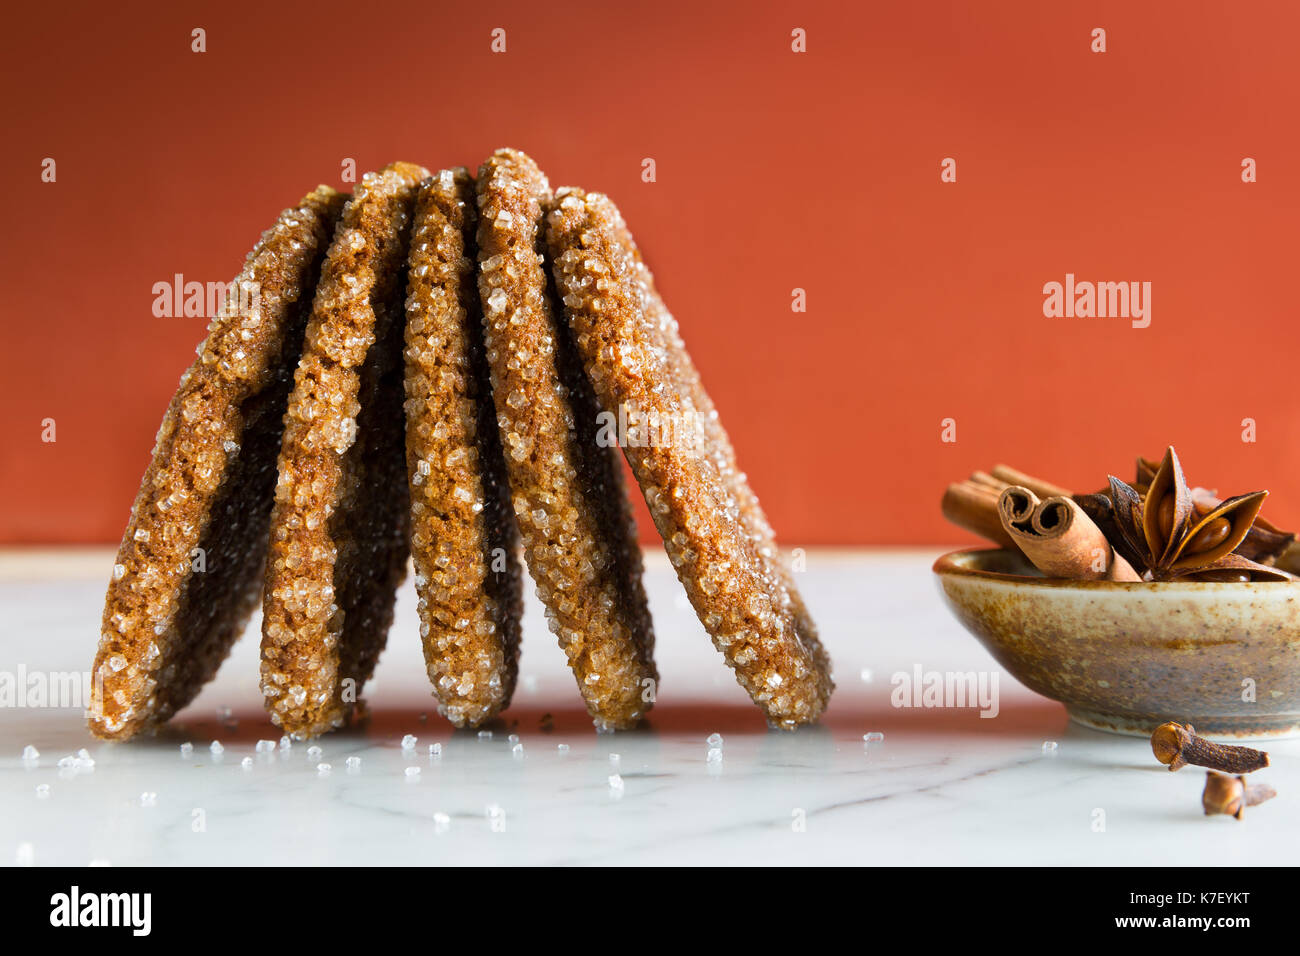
<point>713,529</point>
<point>338,543</point>
<point>463,536</point>
<point>567,491</point>
<point>189,570</point>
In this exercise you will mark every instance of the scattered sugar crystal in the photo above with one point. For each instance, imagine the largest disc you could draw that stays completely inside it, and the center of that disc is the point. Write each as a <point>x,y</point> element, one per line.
<point>412,771</point>
<point>435,750</point>
<point>874,737</point>
<point>31,753</point>
<point>265,746</point>
<point>247,763</point>
<point>67,762</point>
<point>187,750</point>
<point>353,763</point>
<point>513,738</point>
<point>286,743</point>
<point>323,769</point>
<point>441,822</point>
<point>562,748</point>
<point>865,675</point>
<point>714,756</point>
<point>485,735</point>
<point>715,740</point>
<point>1049,746</point>
<point>314,752</point>
<point>517,750</point>
<point>148,799</point>
<point>26,855</point>
<point>409,741</point>
<point>615,783</point>
<point>42,790</point>
<point>216,747</point>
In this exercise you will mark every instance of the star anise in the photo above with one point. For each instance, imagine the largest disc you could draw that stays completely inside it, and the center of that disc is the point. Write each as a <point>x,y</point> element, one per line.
<point>1265,542</point>
<point>1161,532</point>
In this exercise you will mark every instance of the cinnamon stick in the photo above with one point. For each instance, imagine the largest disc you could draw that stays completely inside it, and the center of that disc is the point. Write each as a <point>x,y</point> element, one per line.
<point>1016,507</point>
<point>1060,540</point>
<point>986,480</point>
<point>1043,489</point>
<point>974,506</point>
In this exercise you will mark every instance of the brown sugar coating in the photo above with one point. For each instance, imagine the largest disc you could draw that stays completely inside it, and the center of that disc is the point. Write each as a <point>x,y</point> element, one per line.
<point>567,491</point>
<point>713,528</point>
<point>338,542</point>
<point>463,536</point>
<point>701,411</point>
<point>189,570</point>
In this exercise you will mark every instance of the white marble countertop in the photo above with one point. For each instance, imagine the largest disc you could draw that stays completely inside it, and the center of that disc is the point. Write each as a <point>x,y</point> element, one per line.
<point>944,786</point>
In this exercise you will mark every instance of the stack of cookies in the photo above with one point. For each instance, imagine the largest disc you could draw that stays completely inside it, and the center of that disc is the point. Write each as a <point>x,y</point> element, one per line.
<point>432,368</point>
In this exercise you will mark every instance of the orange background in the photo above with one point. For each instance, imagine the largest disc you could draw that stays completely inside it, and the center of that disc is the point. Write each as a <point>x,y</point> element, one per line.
<point>775,171</point>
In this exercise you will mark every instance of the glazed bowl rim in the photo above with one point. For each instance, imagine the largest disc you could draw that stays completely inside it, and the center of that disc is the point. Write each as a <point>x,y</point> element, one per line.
<point>950,565</point>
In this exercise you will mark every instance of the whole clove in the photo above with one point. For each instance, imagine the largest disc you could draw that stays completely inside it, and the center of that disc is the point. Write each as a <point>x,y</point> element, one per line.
<point>1178,745</point>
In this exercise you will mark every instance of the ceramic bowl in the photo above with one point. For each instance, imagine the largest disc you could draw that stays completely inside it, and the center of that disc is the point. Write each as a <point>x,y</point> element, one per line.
<point>1127,657</point>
